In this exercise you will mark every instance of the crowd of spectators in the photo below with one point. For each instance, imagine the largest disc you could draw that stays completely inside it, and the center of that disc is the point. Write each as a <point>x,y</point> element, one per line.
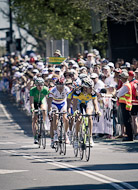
<point>108,78</point>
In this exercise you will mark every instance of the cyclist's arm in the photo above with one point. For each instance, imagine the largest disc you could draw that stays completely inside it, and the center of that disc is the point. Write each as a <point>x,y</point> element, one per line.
<point>68,104</point>
<point>49,103</point>
<point>75,101</point>
<point>95,103</point>
<point>32,102</point>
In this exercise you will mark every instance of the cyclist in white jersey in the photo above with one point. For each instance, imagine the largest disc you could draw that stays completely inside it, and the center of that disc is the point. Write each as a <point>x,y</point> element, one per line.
<point>58,102</point>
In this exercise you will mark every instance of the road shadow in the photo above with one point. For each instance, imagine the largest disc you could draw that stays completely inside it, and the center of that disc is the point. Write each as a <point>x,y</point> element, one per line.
<point>104,167</point>
<point>17,114</point>
<point>72,187</point>
<point>118,145</point>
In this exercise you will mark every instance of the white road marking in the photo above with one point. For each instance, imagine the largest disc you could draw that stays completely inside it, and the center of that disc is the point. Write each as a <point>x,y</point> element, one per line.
<point>5,143</point>
<point>3,171</point>
<point>93,175</point>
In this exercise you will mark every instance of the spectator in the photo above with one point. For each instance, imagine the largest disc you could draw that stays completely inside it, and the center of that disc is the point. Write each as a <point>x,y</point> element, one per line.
<point>125,99</point>
<point>134,111</point>
<point>57,53</point>
<point>90,61</point>
<point>109,79</point>
<point>98,84</point>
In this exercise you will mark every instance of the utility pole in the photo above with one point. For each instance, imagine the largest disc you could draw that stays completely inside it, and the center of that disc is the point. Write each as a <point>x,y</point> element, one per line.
<point>10,20</point>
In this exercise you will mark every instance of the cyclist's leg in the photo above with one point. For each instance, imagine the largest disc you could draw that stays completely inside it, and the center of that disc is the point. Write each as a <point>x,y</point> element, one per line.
<point>43,107</point>
<point>34,122</point>
<point>34,125</point>
<point>89,110</point>
<point>63,108</point>
<point>54,123</point>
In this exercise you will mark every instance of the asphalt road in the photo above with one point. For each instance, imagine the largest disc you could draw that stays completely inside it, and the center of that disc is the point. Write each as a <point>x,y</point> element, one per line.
<point>113,164</point>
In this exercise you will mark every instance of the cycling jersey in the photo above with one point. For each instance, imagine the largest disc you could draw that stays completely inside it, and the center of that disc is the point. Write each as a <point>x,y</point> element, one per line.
<point>83,98</point>
<point>57,96</point>
<point>39,96</point>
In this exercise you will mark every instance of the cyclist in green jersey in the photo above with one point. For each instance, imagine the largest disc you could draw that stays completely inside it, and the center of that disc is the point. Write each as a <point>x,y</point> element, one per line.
<point>38,95</point>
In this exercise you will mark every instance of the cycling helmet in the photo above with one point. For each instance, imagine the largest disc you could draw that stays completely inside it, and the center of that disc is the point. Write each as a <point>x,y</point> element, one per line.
<point>83,75</point>
<point>39,81</point>
<point>76,84</point>
<point>61,81</point>
<point>87,82</point>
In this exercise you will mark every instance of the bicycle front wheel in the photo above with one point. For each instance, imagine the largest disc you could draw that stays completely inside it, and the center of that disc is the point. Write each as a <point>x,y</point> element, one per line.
<point>87,144</point>
<point>43,136</point>
<point>62,145</point>
<point>81,143</point>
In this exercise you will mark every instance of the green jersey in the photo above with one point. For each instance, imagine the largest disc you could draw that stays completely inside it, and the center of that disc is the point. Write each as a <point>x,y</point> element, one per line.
<point>39,96</point>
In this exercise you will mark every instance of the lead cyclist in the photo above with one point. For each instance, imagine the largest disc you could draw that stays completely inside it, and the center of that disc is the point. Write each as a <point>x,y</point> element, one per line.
<point>88,100</point>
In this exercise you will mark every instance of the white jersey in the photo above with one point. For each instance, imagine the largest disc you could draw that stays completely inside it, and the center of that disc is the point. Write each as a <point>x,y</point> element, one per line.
<point>57,96</point>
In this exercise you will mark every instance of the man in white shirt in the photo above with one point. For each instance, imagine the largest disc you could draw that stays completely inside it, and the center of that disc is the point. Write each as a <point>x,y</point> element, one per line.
<point>90,61</point>
<point>98,84</point>
<point>109,78</point>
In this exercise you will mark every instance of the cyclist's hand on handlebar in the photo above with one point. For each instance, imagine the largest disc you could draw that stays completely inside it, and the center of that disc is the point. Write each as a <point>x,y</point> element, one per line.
<point>32,110</point>
<point>50,115</point>
<point>76,112</point>
<point>98,113</point>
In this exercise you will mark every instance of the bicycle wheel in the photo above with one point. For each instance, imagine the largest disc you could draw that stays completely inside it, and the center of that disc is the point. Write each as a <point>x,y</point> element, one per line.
<point>56,145</point>
<point>81,143</point>
<point>62,141</point>
<point>43,136</point>
<point>39,135</point>
<point>73,142</point>
<point>87,144</point>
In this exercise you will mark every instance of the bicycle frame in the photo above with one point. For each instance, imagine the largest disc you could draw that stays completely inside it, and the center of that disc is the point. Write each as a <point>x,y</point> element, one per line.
<point>41,129</point>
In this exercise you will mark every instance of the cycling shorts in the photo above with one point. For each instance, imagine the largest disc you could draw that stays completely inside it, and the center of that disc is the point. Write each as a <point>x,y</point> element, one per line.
<point>62,107</point>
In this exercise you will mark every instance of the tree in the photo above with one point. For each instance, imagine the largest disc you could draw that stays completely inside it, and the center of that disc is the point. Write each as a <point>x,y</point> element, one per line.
<point>56,19</point>
<point>118,10</point>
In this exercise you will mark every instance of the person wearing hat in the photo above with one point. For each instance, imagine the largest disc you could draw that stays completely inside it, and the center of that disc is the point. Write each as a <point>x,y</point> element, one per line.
<point>109,78</point>
<point>83,70</point>
<point>125,100</point>
<point>97,69</point>
<point>90,61</point>
<point>134,111</point>
<point>58,71</point>
<point>71,63</point>
<point>57,53</point>
<point>98,84</point>
<point>136,73</point>
<point>112,67</point>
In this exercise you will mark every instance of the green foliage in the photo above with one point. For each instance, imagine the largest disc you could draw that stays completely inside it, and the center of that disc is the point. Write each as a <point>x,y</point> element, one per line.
<point>58,19</point>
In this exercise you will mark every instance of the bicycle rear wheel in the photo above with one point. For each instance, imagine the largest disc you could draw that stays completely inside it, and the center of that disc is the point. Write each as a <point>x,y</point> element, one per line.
<point>87,144</point>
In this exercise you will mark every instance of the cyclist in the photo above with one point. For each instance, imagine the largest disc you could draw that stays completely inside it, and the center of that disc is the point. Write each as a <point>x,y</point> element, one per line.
<point>58,102</point>
<point>76,86</point>
<point>87,99</point>
<point>38,95</point>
